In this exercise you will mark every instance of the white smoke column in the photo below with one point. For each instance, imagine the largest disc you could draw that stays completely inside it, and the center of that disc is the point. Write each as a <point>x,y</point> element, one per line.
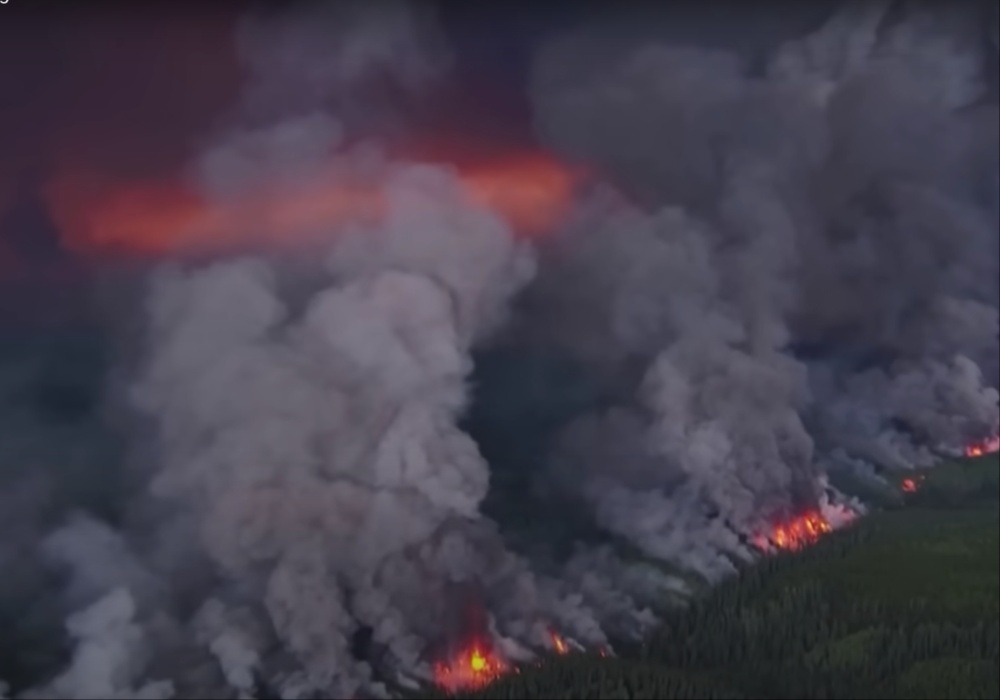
<point>316,447</point>
<point>722,417</point>
<point>943,406</point>
<point>97,559</point>
<point>824,201</point>
<point>318,450</point>
<point>234,640</point>
<point>109,656</point>
<point>306,426</point>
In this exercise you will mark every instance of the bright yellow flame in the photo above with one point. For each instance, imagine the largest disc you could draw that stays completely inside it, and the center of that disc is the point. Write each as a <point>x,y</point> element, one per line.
<point>796,533</point>
<point>477,661</point>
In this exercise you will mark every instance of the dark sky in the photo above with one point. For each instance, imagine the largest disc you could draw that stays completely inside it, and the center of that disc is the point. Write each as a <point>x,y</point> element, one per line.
<point>130,90</point>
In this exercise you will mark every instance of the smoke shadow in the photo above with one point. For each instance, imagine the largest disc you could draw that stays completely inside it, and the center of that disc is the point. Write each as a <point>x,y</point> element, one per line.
<point>520,401</point>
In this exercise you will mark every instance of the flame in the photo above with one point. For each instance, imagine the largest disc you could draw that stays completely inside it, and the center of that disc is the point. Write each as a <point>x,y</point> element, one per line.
<point>559,644</point>
<point>986,446</point>
<point>473,667</point>
<point>795,533</point>
<point>532,191</point>
<point>476,665</point>
<point>912,484</point>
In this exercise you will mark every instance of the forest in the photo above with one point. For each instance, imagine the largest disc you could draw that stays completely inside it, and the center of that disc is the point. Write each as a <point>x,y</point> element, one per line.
<point>903,604</point>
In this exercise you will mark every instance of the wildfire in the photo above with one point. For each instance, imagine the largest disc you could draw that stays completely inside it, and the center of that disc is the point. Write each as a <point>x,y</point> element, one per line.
<point>795,533</point>
<point>559,644</point>
<point>987,446</point>
<point>477,665</point>
<point>473,667</point>
<point>912,484</point>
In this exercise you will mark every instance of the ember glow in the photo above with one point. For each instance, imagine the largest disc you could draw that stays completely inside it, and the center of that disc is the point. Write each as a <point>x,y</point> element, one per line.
<point>474,666</point>
<point>911,485</point>
<point>477,664</point>
<point>990,445</point>
<point>795,533</point>
<point>531,191</point>
<point>559,644</point>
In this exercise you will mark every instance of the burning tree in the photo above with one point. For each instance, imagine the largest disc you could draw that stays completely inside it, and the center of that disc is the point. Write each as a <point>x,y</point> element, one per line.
<point>794,533</point>
<point>477,663</point>
<point>982,447</point>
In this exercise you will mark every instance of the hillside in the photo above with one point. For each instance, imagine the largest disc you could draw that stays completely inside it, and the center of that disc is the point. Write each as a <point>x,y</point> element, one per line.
<point>905,604</point>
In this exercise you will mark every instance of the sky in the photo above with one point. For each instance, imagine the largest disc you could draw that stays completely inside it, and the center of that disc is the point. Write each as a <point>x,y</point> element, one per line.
<point>117,93</point>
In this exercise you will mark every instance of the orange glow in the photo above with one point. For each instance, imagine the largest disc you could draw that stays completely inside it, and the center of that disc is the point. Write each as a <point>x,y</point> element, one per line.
<point>795,533</point>
<point>559,644</point>
<point>983,447</point>
<point>531,191</point>
<point>911,484</point>
<point>475,666</point>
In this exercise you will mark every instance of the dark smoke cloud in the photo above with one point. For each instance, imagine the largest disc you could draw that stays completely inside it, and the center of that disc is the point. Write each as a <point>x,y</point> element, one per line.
<point>833,199</point>
<point>356,381</point>
<point>358,60</point>
<point>788,261</point>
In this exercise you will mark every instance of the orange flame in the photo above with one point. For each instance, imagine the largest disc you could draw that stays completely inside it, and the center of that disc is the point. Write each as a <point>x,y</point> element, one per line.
<point>473,667</point>
<point>559,644</point>
<point>476,665</point>
<point>531,191</point>
<point>987,446</point>
<point>796,533</point>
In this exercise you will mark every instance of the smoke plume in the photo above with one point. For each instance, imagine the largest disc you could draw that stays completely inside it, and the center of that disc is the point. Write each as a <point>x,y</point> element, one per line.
<point>368,417</point>
<point>812,253</point>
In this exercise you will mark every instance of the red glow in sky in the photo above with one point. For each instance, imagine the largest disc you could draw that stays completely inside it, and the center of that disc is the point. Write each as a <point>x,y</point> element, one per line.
<point>125,102</point>
<point>530,190</point>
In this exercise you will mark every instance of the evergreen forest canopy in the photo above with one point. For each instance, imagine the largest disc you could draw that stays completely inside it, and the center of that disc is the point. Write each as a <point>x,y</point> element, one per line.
<point>904,604</point>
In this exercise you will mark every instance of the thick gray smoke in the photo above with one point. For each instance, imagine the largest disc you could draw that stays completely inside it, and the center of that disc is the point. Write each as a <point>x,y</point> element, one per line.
<point>318,451</point>
<point>817,247</point>
<point>304,434</point>
<point>788,261</point>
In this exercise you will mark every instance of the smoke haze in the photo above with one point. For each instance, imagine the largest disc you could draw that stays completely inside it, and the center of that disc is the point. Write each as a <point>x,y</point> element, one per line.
<point>370,372</point>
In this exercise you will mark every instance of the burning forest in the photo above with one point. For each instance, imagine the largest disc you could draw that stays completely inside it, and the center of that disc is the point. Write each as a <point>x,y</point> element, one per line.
<point>979,448</point>
<point>422,365</point>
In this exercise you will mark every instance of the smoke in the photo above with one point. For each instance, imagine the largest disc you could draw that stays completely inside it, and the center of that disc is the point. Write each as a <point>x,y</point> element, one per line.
<point>303,434</point>
<point>784,261</point>
<point>359,61</point>
<point>831,200</point>
<point>108,656</point>
<point>316,451</point>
